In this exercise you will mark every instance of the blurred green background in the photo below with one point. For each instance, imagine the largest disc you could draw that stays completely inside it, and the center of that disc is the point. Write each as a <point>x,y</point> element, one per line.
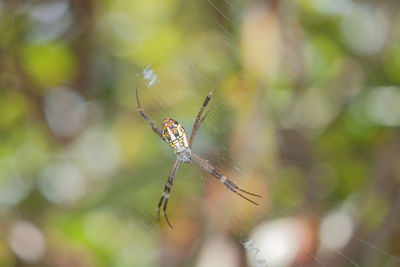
<point>307,114</point>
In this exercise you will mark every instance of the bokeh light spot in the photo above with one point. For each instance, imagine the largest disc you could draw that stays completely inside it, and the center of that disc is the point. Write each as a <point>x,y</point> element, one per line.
<point>27,241</point>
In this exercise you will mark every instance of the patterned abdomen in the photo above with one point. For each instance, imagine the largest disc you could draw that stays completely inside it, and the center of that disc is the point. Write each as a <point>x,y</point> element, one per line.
<point>175,135</point>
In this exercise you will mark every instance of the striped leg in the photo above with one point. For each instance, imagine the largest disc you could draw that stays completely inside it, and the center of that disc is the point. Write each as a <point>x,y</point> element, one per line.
<point>199,118</point>
<point>223,179</point>
<point>153,126</point>
<point>167,190</point>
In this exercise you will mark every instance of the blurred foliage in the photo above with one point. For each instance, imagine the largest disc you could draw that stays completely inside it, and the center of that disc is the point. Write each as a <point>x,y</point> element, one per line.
<point>307,114</point>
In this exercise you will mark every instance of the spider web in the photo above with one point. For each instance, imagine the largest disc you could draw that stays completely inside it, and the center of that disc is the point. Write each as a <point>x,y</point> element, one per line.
<point>107,175</point>
<point>293,217</point>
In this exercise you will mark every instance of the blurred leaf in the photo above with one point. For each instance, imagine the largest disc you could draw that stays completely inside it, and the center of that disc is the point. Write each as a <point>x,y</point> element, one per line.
<point>49,64</point>
<point>13,108</point>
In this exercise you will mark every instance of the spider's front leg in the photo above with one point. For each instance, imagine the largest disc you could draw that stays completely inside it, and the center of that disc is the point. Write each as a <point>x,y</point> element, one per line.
<point>167,190</point>
<point>223,179</point>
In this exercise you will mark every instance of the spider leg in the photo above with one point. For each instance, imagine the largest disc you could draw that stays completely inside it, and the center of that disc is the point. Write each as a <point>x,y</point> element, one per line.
<point>165,213</point>
<point>167,190</point>
<point>223,179</point>
<point>205,115</point>
<point>199,118</point>
<point>152,124</point>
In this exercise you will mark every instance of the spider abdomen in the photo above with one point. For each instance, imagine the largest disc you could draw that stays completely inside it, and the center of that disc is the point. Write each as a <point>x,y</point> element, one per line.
<point>175,135</point>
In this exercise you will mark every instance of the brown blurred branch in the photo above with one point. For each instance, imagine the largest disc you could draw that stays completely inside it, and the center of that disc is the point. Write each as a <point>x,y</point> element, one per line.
<point>83,11</point>
<point>20,82</point>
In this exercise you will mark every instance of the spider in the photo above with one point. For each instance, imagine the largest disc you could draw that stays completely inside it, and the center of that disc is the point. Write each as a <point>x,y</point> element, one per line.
<point>174,135</point>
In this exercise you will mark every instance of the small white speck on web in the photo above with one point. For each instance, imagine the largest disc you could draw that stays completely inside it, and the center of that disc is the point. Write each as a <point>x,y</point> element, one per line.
<point>150,76</point>
<point>249,247</point>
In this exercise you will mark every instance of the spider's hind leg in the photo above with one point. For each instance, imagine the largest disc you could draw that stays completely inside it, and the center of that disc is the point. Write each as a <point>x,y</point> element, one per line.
<point>200,118</point>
